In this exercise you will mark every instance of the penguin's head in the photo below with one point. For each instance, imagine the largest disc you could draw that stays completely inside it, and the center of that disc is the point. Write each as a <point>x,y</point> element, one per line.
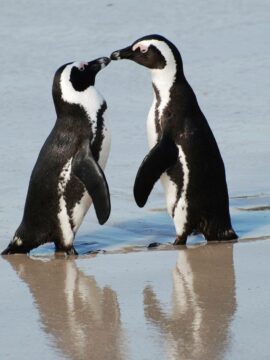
<point>80,74</point>
<point>72,80</point>
<point>152,51</point>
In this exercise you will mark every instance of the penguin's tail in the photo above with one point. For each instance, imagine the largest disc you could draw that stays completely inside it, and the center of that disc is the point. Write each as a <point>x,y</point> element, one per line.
<point>12,249</point>
<point>7,251</point>
<point>222,235</point>
<point>216,229</point>
<point>16,246</point>
<point>228,235</point>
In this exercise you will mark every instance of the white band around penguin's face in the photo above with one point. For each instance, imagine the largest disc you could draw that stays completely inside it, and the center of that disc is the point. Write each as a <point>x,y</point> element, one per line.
<point>81,65</point>
<point>160,45</point>
<point>143,47</point>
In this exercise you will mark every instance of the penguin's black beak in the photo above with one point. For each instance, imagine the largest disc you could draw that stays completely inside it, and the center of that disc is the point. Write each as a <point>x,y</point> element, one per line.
<point>96,65</point>
<point>104,61</point>
<point>126,53</point>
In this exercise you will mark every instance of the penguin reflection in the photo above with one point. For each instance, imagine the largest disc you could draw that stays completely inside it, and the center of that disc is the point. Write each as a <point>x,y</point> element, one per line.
<point>83,318</point>
<point>203,304</point>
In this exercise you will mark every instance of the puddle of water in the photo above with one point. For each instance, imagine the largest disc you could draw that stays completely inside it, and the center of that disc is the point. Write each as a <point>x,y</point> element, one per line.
<point>157,227</point>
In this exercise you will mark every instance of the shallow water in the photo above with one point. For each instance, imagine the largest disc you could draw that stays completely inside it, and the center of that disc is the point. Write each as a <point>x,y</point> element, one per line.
<point>123,304</point>
<point>250,217</point>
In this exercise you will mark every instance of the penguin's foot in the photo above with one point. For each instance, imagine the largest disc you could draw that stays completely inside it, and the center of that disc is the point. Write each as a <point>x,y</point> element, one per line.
<point>180,240</point>
<point>71,251</point>
<point>68,251</point>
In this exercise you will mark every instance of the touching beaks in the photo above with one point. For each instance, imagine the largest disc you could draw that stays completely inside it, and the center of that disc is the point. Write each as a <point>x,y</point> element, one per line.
<point>104,61</point>
<point>125,53</point>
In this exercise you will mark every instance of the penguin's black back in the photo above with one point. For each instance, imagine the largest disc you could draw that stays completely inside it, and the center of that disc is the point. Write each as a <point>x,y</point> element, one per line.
<point>39,223</point>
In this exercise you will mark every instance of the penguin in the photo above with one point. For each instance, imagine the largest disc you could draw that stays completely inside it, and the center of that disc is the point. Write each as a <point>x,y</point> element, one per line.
<point>68,174</point>
<point>183,151</point>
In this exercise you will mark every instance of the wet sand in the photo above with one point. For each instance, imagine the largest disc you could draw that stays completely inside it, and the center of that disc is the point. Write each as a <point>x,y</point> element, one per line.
<point>203,302</point>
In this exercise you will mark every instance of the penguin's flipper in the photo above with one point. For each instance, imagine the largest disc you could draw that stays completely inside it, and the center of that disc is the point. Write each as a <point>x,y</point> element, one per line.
<point>91,175</point>
<point>163,155</point>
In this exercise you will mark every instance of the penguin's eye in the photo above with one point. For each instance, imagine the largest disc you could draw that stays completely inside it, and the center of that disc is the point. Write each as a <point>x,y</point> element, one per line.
<point>143,49</point>
<point>82,65</point>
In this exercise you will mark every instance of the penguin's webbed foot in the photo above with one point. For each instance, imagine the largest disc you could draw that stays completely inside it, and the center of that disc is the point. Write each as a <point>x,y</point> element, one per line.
<point>68,251</point>
<point>180,240</point>
<point>72,251</point>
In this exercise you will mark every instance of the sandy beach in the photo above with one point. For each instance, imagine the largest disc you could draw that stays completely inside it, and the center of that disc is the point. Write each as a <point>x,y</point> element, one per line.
<point>117,299</point>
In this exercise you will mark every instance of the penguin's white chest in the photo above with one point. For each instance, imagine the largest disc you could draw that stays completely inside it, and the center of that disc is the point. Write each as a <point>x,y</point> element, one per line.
<point>82,206</point>
<point>163,92</point>
<point>177,206</point>
<point>99,123</point>
<point>80,209</point>
<point>70,221</point>
<point>64,220</point>
<point>152,133</point>
<point>106,142</point>
<point>77,213</point>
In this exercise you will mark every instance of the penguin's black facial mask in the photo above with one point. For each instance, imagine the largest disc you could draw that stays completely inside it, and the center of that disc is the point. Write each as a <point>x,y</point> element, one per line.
<point>84,75</point>
<point>149,57</point>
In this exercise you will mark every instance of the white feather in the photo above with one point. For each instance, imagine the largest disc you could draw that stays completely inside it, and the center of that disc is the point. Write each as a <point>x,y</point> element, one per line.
<point>170,189</point>
<point>181,209</point>
<point>63,217</point>
<point>106,143</point>
<point>151,126</point>
<point>80,209</point>
<point>17,240</point>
